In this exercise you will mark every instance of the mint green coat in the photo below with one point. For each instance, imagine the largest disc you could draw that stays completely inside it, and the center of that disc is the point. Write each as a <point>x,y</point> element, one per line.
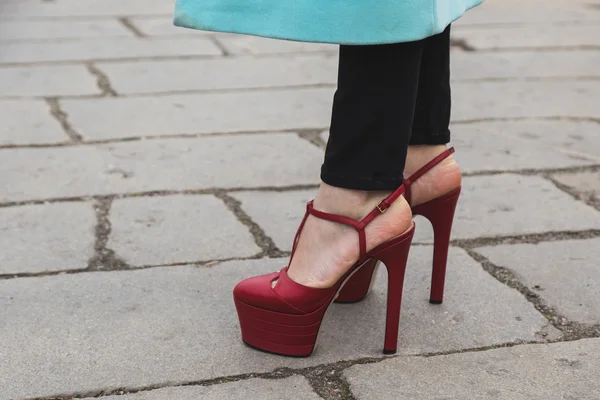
<point>328,21</point>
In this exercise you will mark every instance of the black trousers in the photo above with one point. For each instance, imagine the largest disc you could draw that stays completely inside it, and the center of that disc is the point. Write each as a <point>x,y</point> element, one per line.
<point>388,96</point>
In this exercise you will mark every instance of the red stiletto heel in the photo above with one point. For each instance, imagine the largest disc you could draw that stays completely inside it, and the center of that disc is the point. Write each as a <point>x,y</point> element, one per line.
<point>280,316</point>
<point>440,212</point>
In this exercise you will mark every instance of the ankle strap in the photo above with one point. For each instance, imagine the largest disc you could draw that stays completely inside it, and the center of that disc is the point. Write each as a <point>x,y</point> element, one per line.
<point>426,168</point>
<point>358,225</point>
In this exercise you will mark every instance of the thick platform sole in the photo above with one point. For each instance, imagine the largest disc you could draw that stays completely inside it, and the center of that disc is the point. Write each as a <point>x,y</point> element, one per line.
<point>296,335</point>
<point>278,333</point>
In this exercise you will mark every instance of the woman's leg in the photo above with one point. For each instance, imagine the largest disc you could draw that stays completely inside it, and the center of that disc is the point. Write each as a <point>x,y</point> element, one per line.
<point>430,130</point>
<point>370,130</point>
<point>372,116</point>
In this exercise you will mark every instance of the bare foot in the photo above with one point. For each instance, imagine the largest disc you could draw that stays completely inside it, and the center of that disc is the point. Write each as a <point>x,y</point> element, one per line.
<point>327,250</point>
<point>442,179</point>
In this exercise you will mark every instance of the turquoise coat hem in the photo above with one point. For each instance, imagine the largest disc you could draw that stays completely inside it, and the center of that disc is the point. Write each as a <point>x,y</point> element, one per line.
<point>324,21</point>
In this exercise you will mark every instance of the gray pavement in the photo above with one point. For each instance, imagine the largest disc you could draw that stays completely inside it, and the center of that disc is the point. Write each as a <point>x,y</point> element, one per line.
<point>145,169</point>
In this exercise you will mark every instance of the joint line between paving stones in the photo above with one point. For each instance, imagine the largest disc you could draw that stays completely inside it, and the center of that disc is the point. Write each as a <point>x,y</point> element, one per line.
<point>136,95</point>
<point>158,94</point>
<point>119,265</point>
<point>102,81</point>
<point>114,264</point>
<point>145,138</point>
<point>278,189</point>
<point>571,330</point>
<point>528,238</point>
<point>539,49</point>
<point>588,198</point>
<point>215,40</point>
<point>462,44</point>
<point>62,119</point>
<point>312,136</point>
<point>262,240</point>
<point>104,258</point>
<point>309,130</point>
<point>320,377</point>
<point>130,26</point>
<point>161,58</point>
<point>537,172</point>
<point>518,119</point>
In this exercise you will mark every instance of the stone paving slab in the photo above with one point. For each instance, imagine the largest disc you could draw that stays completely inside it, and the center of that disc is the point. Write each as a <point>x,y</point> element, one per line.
<point>314,69</point>
<point>237,44</point>
<point>109,48</point>
<point>163,26</point>
<point>523,64</point>
<point>58,29</point>
<point>182,164</point>
<point>493,146</point>
<point>241,73</point>
<point>295,387</point>
<point>130,329</point>
<point>555,268</point>
<point>532,11</point>
<point>502,100</point>
<point>60,80</point>
<point>310,108</point>
<point>577,139</point>
<point>586,183</point>
<point>270,110</point>
<point>555,371</point>
<point>498,205</point>
<point>76,8</point>
<point>27,122</point>
<point>46,237</point>
<point>531,36</point>
<point>152,77</point>
<point>174,229</point>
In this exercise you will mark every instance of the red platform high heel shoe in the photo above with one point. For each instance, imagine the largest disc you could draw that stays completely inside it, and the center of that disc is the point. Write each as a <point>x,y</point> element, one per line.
<point>281,316</point>
<point>440,212</point>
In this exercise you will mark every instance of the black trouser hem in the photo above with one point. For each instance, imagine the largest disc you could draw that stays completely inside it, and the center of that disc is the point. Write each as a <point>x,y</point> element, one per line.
<point>359,183</point>
<point>419,138</point>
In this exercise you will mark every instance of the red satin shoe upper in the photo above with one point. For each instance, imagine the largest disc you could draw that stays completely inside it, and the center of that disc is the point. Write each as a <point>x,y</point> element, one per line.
<point>277,292</point>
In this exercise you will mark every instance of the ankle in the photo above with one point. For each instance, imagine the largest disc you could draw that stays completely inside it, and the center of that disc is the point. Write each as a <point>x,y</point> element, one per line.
<point>354,204</point>
<point>441,179</point>
<point>419,155</point>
